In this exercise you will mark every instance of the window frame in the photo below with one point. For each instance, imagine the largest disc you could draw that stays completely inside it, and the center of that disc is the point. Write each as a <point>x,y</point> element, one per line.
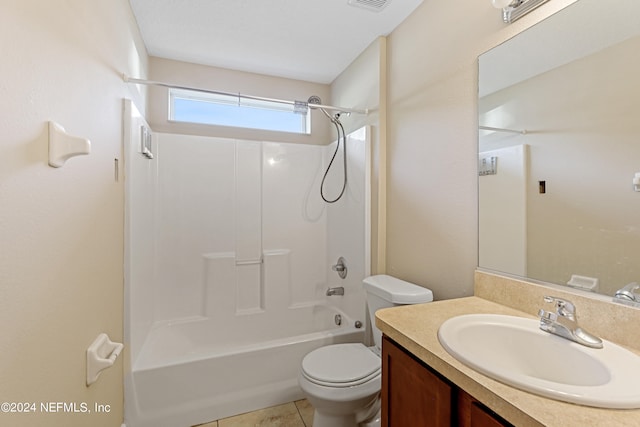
<point>242,102</point>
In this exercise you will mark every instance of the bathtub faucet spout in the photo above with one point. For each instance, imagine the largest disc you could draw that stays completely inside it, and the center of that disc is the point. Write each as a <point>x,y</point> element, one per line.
<point>335,291</point>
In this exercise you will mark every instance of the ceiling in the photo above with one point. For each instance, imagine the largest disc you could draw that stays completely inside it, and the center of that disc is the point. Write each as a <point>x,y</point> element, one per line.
<point>310,40</point>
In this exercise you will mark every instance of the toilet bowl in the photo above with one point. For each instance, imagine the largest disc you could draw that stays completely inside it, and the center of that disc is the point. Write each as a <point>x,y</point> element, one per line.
<point>343,381</point>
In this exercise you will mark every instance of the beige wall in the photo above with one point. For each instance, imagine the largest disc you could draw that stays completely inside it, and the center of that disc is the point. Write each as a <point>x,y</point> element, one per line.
<point>61,230</point>
<point>220,79</point>
<point>432,139</point>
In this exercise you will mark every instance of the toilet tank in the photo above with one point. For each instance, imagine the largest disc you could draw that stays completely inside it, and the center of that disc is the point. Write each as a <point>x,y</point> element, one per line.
<point>386,291</point>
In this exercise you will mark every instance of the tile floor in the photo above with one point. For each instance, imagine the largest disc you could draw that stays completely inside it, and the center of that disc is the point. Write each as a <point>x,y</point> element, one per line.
<point>293,414</point>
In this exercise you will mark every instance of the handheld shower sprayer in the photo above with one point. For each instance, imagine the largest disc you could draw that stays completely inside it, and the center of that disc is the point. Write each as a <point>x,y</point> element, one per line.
<point>342,139</point>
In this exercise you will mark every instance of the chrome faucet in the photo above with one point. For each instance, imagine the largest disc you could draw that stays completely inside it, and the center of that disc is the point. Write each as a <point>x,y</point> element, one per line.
<point>563,322</point>
<point>335,291</point>
<point>629,293</point>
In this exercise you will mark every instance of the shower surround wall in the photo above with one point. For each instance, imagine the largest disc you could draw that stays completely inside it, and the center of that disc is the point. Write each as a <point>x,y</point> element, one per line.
<point>241,246</point>
<point>232,211</point>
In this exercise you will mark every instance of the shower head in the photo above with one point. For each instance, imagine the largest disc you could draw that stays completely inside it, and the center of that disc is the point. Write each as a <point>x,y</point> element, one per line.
<point>314,99</point>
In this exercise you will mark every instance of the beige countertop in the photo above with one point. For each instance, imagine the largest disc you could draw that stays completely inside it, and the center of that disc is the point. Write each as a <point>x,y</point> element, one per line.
<point>415,328</point>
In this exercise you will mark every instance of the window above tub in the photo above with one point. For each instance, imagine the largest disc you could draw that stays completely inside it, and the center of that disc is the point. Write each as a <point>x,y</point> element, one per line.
<point>237,111</point>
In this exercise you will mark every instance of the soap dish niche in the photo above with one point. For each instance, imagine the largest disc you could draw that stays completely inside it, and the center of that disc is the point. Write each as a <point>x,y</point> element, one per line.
<point>146,145</point>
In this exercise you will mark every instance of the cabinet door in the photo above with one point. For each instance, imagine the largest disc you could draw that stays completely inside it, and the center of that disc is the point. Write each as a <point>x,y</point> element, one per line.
<point>472,413</point>
<point>412,396</point>
<point>481,418</point>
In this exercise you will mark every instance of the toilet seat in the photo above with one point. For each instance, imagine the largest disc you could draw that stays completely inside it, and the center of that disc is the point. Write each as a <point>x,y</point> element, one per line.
<point>341,365</point>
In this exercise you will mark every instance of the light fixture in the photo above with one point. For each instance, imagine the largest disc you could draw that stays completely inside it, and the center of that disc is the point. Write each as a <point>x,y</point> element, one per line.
<point>514,9</point>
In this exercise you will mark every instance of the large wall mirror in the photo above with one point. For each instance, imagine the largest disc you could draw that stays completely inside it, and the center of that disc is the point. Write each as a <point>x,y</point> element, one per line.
<point>559,147</point>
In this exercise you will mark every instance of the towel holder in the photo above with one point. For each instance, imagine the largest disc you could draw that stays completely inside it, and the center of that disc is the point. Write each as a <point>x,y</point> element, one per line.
<point>63,146</point>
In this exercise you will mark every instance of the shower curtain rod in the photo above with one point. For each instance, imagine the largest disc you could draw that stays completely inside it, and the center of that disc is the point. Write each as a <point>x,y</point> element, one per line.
<point>239,95</point>
<point>523,131</point>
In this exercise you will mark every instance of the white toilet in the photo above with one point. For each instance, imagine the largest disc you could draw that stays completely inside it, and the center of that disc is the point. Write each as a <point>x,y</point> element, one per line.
<point>343,381</point>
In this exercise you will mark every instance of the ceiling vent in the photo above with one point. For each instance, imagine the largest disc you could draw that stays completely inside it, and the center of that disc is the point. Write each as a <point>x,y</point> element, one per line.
<point>373,5</point>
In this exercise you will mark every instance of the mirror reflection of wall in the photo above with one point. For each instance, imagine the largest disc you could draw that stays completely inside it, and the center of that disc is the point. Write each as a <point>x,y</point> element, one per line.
<point>579,213</point>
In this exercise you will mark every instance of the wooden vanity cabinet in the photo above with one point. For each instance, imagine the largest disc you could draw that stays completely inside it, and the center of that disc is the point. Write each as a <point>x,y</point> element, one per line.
<point>414,395</point>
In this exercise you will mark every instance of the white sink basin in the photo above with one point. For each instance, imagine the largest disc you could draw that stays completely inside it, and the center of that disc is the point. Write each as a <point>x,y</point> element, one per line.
<point>515,351</point>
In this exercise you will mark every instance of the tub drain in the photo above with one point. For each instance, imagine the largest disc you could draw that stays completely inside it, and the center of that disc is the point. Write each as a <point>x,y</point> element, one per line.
<point>338,319</point>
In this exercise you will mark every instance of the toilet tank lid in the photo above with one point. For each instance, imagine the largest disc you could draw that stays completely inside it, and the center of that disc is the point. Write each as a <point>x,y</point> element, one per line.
<point>397,291</point>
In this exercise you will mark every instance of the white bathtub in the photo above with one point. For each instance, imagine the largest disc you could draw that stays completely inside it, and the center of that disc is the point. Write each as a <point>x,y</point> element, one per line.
<point>196,371</point>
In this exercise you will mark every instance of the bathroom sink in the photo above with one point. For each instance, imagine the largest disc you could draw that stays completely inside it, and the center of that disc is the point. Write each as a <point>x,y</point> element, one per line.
<point>515,351</point>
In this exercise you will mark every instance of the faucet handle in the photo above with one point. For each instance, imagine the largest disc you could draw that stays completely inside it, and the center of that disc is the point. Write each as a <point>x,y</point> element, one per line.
<point>340,267</point>
<point>564,308</point>
<point>547,316</point>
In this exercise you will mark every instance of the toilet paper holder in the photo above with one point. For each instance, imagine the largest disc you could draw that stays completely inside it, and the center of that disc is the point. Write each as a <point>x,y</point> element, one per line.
<point>101,354</point>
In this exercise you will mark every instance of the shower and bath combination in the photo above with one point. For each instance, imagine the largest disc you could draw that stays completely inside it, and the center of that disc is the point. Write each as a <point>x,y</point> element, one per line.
<point>342,139</point>
<point>185,368</point>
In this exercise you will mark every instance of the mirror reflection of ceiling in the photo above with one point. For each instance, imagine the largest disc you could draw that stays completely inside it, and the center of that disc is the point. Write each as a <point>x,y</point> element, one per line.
<point>556,203</point>
<point>557,41</point>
